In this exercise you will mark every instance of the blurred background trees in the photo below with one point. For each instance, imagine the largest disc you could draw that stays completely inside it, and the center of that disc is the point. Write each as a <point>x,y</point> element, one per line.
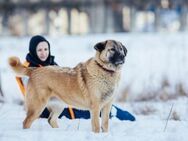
<point>59,17</point>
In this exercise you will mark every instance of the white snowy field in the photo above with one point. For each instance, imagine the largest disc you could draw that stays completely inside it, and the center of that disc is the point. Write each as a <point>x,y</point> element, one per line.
<point>150,127</point>
<point>151,59</point>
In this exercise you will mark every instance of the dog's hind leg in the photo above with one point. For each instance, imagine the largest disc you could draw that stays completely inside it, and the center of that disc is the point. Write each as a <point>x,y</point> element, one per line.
<point>32,114</point>
<point>52,119</point>
<point>34,109</point>
<point>55,107</point>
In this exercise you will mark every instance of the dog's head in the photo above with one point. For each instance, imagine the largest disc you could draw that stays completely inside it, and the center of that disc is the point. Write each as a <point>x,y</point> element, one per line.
<point>111,53</point>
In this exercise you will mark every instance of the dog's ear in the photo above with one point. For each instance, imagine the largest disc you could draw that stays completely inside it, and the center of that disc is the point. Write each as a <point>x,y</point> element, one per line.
<point>100,46</point>
<point>124,49</point>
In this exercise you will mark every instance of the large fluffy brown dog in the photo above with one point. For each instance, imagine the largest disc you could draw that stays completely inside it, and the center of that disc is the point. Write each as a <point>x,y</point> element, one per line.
<point>89,85</point>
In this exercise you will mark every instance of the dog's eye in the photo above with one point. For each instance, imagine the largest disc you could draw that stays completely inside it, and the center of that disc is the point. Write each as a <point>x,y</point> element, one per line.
<point>112,49</point>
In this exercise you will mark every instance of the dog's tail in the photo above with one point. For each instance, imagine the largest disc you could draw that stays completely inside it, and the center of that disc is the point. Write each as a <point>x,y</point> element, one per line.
<point>18,67</point>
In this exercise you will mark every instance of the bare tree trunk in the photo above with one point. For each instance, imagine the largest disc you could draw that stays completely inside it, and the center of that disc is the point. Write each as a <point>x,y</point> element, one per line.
<point>133,18</point>
<point>47,21</point>
<point>157,19</point>
<point>183,19</point>
<point>1,92</point>
<point>25,16</point>
<point>69,21</point>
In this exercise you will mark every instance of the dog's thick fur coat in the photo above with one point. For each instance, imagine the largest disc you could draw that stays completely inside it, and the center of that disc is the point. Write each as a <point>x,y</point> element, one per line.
<point>89,85</point>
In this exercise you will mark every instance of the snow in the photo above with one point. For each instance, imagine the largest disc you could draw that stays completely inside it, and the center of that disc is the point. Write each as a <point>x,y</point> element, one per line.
<point>151,58</point>
<point>144,128</point>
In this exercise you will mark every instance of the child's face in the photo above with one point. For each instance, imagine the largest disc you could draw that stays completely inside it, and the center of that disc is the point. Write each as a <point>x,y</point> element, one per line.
<point>42,51</point>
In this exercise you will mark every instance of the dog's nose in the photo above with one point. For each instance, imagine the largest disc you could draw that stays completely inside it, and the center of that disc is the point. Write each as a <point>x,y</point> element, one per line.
<point>122,56</point>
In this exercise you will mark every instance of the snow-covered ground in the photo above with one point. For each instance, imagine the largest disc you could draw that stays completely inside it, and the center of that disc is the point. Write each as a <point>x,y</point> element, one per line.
<point>152,58</point>
<point>150,127</point>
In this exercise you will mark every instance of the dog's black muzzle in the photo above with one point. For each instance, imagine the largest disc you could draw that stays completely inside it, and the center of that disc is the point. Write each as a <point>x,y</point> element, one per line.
<point>117,59</point>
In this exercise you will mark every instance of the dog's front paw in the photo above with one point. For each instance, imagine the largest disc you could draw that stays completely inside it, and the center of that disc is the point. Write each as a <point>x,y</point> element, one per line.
<point>104,129</point>
<point>96,130</point>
